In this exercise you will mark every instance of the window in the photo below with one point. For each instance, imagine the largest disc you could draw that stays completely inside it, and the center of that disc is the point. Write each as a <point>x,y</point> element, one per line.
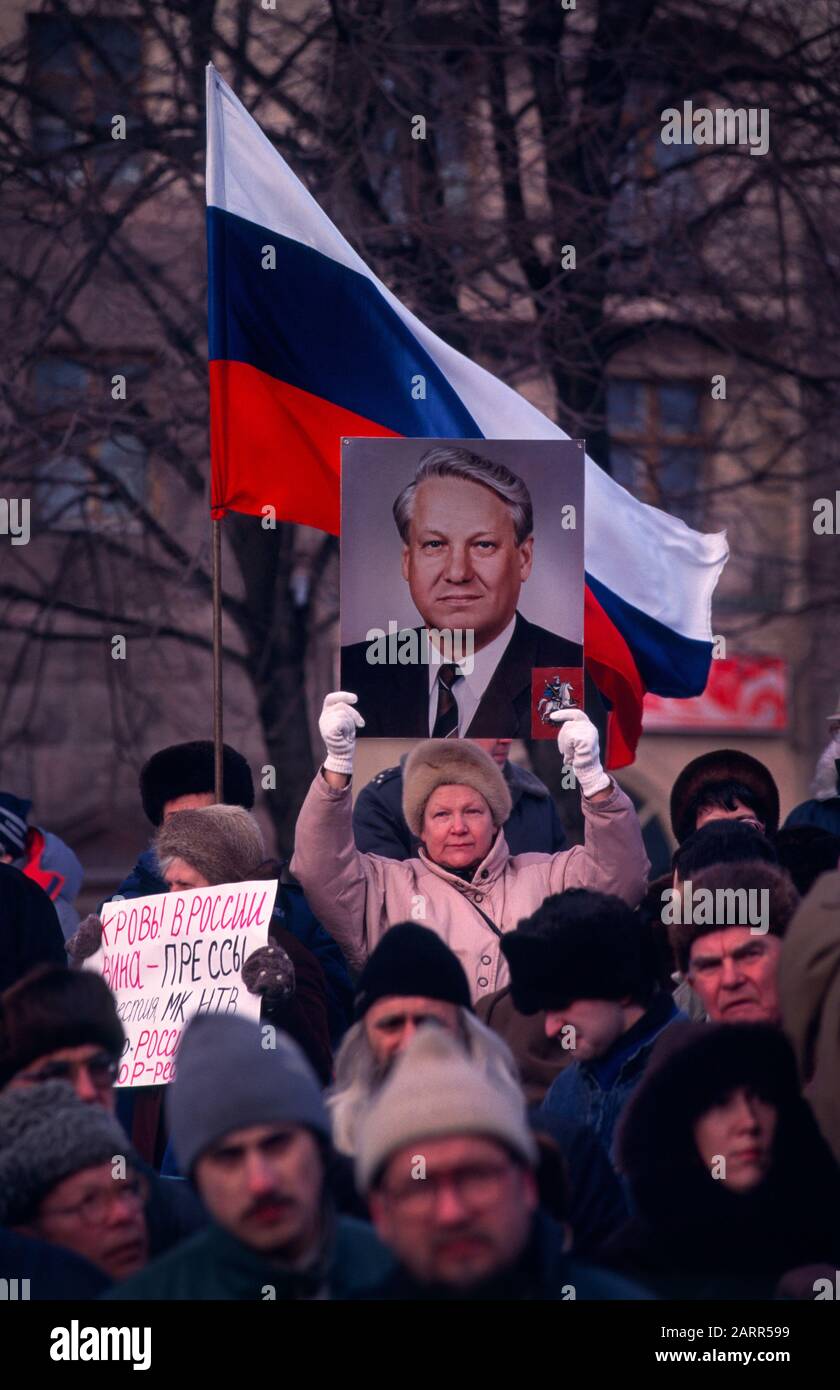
<point>656,443</point>
<point>82,73</point>
<point>656,195</point>
<point>92,481</point>
<point>407,173</point>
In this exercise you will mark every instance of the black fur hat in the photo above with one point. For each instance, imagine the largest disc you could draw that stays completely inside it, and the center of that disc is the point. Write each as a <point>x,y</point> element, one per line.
<point>187,769</point>
<point>807,851</point>
<point>579,945</point>
<point>717,769</point>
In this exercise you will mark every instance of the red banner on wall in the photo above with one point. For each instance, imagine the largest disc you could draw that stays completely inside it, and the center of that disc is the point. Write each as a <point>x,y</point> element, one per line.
<point>744,695</point>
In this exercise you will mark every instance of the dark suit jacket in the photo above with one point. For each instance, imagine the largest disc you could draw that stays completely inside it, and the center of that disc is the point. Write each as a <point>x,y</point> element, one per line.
<point>394,700</point>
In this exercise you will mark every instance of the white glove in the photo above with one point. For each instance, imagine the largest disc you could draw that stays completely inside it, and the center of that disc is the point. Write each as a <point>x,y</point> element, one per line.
<point>338,724</point>
<point>578,744</point>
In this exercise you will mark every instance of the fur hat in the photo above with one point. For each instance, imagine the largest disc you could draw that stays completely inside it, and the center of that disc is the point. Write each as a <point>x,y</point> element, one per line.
<point>188,769</point>
<point>224,843</point>
<point>411,960</point>
<point>748,875</point>
<point>436,1090</point>
<point>52,1008</point>
<point>692,1066</point>
<point>723,765</point>
<point>439,762</point>
<point>722,842</point>
<point>46,1135</point>
<point>579,945</point>
<point>807,851</point>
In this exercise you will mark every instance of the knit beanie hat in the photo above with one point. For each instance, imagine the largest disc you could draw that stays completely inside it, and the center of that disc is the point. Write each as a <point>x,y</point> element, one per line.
<point>226,1079</point>
<point>223,843</point>
<point>411,960</point>
<point>14,813</point>
<point>46,1135</point>
<point>438,762</point>
<point>52,1008</point>
<point>188,769</point>
<point>579,945</point>
<point>435,1090</point>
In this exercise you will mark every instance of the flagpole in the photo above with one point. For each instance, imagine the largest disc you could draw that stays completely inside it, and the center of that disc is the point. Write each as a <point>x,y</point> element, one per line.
<point>216,534</point>
<point>216,527</point>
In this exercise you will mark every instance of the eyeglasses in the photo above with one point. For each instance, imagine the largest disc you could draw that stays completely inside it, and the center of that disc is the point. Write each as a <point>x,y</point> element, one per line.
<point>95,1208</point>
<point>477,1186</point>
<point>102,1070</point>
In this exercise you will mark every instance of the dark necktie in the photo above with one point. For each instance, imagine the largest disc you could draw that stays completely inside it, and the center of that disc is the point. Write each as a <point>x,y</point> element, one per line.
<point>446,723</point>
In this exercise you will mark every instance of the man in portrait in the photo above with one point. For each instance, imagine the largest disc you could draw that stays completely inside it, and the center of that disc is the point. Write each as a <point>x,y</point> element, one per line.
<point>467,531</point>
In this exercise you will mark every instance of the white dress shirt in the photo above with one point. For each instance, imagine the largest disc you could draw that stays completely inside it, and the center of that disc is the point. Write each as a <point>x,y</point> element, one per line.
<point>469,690</point>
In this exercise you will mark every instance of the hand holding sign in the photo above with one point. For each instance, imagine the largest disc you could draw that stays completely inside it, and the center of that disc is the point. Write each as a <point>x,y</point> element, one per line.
<point>173,955</point>
<point>270,973</point>
<point>338,724</point>
<point>577,740</point>
<point>86,940</point>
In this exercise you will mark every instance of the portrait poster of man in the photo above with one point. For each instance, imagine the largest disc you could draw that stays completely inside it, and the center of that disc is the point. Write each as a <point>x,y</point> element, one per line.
<point>461,572</point>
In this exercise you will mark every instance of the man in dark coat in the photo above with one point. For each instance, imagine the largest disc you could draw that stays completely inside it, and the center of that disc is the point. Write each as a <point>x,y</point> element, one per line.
<point>250,1130</point>
<point>588,961</point>
<point>413,979</point>
<point>731,960</point>
<point>467,530</point>
<point>447,1161</point>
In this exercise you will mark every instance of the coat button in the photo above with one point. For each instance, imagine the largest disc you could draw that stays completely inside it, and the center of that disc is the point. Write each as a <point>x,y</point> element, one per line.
<point>485,960</point>
<point>484,873</point>
<point>482,980</point>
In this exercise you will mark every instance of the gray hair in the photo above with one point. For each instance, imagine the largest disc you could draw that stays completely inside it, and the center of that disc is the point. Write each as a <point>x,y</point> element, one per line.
<point>358,1075</point>
<point>445,461</point>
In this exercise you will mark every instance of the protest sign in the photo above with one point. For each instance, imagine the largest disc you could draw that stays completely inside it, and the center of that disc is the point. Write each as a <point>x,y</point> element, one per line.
<point>172,955</point>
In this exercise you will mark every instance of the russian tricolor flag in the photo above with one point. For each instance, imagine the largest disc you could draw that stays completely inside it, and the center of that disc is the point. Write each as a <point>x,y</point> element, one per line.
<point>319,348</point>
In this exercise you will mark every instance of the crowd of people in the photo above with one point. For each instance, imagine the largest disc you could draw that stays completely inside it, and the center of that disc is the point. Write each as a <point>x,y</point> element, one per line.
<point>488,1065</point>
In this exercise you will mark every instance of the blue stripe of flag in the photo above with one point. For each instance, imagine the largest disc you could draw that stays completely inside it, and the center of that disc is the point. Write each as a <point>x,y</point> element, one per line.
<point>323,328</point>
<point>667,662</point>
